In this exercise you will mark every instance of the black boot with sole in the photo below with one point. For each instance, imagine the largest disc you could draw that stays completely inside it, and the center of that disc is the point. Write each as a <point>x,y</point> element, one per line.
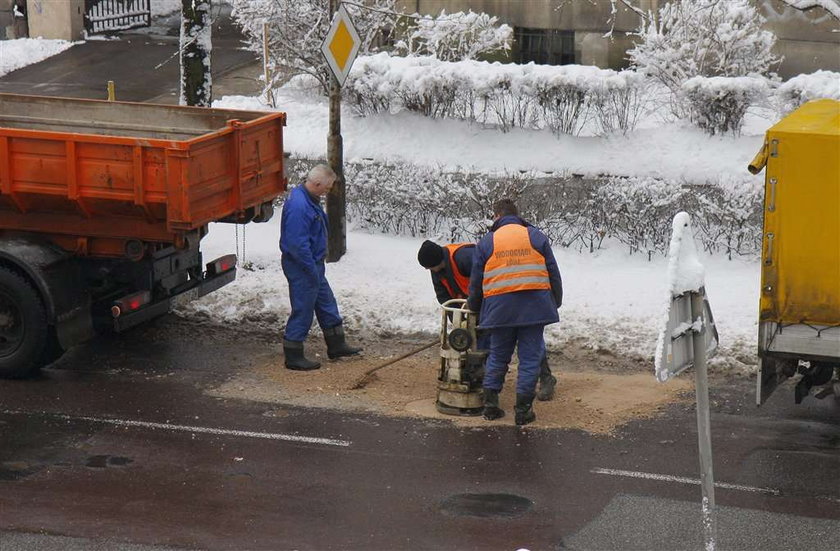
<point>295,359</point>
<point>492,411</point>
<point>337,346</point>
<point>524,409</point>
<point>547,382</point>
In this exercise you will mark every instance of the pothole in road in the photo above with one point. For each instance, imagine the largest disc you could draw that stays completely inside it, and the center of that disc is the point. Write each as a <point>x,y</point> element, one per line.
<point>486,505</point>
<point>103,461</point>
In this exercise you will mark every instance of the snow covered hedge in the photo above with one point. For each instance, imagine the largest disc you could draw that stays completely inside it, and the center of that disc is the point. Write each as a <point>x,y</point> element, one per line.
<point>718,104</point>
<point>560,98</point>
<point>579,213</point>
<point>803,88</point>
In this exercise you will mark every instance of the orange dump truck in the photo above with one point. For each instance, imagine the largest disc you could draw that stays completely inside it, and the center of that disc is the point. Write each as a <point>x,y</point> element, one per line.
<point>103,206</point>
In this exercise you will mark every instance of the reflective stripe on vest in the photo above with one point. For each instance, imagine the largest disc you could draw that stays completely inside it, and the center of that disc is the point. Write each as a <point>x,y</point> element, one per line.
<point>462,282</point>
<point>514,265</point>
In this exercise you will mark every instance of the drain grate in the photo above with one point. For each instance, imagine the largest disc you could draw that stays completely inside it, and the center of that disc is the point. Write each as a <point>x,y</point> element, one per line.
<point>486,505</point>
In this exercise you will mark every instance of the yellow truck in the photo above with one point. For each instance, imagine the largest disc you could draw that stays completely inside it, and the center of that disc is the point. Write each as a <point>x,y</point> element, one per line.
<point>799,310</point>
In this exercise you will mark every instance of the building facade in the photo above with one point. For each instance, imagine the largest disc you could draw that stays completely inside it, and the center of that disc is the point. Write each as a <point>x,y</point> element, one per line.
<point>573,31</point>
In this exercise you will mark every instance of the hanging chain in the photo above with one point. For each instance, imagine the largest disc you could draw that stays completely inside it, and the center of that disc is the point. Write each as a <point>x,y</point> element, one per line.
<point>243,244</point>
<point>236,228</point>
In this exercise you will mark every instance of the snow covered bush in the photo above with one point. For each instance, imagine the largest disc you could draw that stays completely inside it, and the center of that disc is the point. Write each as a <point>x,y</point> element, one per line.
<point>637,211</point>
<point>296,29</point>
<point>508,95</point>
<point>702,38</point>
<point>455,36</point>
<point>729,216</point>
<point>803,88</point>
<point>718,104</point>
<point>618,100</point>
<point>583,214</point>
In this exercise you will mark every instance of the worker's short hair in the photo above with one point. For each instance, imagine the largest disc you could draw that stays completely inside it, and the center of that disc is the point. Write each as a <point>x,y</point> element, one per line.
<point>320,174</point>
<point>505,207</point>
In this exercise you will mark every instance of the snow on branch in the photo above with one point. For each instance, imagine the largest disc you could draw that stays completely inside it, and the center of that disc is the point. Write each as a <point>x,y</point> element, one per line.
<point>455,36</point>
<point>831,6</point>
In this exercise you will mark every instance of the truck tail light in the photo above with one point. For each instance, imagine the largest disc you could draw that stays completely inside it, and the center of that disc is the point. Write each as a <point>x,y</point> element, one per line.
<point>131,303</point>
<point>221,265</point>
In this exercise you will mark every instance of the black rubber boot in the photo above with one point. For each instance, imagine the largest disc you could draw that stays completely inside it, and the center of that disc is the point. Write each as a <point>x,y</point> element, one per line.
<point>547,382</point>
<point>524,409</point>
<point>295,359</point>
<point>492,410</point>
<point>337,347</point>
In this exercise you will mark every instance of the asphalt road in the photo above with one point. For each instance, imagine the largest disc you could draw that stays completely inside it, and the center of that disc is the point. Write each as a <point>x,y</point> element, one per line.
<point>118,443</point>
<point>143,64</point>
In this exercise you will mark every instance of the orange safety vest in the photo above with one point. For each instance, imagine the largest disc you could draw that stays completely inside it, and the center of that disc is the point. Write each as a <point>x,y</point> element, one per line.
<point>514,265</point>
<point>461,281</point>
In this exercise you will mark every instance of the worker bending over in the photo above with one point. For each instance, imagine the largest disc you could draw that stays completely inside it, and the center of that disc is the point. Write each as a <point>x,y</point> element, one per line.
<point>451,266</point>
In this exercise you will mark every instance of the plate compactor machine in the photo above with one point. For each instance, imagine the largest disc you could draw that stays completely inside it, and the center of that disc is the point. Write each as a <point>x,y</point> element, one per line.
<point>461,361</point>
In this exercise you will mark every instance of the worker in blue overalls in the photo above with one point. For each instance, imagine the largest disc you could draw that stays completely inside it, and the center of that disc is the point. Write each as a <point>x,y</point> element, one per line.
<point>303,244</point>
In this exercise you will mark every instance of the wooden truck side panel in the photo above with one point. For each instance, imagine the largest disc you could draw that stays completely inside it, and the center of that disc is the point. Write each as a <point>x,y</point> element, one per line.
<point>121,179</point>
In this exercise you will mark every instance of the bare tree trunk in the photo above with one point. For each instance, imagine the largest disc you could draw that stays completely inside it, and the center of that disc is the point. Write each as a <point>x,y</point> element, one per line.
<point>195,47</point>
<point>336,200</point>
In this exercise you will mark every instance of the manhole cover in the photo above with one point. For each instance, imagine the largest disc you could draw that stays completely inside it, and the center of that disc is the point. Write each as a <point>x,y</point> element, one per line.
<point>486,505</point>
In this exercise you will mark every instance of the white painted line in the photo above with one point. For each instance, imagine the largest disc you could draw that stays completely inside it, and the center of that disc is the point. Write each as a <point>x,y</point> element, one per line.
<point>685,480</point>
<point>192,429</point>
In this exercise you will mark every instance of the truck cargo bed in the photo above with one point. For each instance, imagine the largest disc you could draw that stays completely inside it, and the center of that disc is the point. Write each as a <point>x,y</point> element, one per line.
<point>93,175</point>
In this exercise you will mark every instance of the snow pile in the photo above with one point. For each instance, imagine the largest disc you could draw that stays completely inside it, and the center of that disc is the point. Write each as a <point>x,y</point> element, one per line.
<point>685,274</point>
<point>671,151</point>
<point>807,87</point>
<point>21,52</point>
<point>164,7</point>
<point>685,271</point>
<point>612,301</point>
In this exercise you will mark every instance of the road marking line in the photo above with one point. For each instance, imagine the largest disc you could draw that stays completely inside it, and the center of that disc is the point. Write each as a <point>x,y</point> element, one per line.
<point>696,482</point>
<point>685,480</point>
<point>188,428</point>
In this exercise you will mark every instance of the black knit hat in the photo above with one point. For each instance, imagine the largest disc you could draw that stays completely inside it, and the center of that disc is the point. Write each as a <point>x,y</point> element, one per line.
<point>430,254</point>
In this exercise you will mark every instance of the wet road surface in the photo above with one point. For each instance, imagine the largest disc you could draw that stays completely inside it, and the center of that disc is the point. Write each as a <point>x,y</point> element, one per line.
<point>143,64</point>
<point>118,442</point>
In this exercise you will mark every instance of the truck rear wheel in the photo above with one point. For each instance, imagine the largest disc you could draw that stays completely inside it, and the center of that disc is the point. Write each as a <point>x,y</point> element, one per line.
<point>23,327</point>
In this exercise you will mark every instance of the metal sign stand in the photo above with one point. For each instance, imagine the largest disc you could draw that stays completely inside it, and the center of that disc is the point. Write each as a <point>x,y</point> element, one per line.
<point>704,433</point>
<point>688,337</point>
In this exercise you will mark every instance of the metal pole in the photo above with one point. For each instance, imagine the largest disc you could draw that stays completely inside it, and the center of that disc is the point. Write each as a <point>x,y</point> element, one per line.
<point>269,93</point>
<point>704,435</point>
<point>336,204</point>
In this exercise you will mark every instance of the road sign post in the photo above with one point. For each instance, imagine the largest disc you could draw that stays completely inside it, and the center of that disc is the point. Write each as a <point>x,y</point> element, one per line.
<point>688,337</point>
<point>339,48</point>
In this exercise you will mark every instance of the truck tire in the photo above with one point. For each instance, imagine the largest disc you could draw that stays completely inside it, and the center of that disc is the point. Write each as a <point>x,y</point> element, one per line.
<point>23,327</point>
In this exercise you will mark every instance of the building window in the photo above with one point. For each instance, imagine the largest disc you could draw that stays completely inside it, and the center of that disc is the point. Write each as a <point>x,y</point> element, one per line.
<point>544,46</point>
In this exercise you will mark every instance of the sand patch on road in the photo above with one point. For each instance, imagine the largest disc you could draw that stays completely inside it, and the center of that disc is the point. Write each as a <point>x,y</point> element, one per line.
<point>588,397</point>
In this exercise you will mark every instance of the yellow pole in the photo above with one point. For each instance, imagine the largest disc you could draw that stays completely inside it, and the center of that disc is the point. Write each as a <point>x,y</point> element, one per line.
<point>111,93</point>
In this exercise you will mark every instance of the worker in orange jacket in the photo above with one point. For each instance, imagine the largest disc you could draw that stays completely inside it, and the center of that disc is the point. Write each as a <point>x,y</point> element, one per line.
<point>451,266</point>
<point>515,286</point>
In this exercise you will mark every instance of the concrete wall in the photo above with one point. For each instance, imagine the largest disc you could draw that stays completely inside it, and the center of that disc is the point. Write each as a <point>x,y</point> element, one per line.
<point>809,40</point>
<point>57,19</point>
<point>589,20</point>
<point>12,26</point>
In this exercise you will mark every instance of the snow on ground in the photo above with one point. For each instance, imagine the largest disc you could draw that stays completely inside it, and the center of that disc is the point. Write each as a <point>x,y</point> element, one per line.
<point>674,151</point>
<point>612,301</point>
<point>21,52</point>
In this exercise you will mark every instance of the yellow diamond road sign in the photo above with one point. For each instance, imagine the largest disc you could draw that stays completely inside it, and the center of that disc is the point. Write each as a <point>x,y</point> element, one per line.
<point>341,45</point>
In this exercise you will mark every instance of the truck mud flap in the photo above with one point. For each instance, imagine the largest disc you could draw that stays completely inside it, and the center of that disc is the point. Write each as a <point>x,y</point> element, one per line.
<point>208,285</point>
